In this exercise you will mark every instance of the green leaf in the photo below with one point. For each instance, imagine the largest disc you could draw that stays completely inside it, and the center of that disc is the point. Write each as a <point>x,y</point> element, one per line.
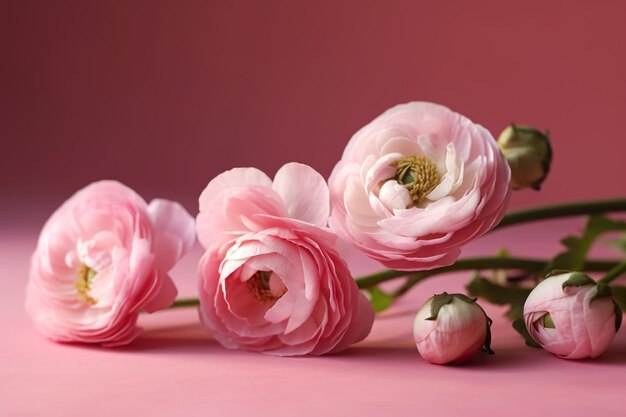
<point>500,295</point>
<point>573,258</point>
<point>380,300</point>
<point>520,327</point>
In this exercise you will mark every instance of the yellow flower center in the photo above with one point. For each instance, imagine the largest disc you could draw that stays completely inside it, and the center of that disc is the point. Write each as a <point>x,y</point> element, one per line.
<point>418,174</point>
<point>83,284</point>
<point>259,285</point>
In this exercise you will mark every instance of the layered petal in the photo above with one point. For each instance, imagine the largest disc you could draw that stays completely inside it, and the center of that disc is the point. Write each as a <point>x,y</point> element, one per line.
<point>580,324</point>
<point>304,192</point>
<point>451,328</point>
<point>271,279</point>
<point>282,291</point>
<point>101,259</point>
<point>464,178</point>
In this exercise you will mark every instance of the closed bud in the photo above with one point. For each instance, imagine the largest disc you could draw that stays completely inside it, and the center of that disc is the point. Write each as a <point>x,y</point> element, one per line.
<point>451,328</point>
<point>571,316</point>
<point>529,154</point>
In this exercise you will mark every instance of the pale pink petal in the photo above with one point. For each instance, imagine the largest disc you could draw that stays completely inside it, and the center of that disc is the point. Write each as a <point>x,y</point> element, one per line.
<point>304,192</point>
<point>582,328</point>
<point>317,309</point>
<point>102,258</point>
<point>165,297</point>
<point>236,177</point>
<point>470,198</point>
<point>174,232</point>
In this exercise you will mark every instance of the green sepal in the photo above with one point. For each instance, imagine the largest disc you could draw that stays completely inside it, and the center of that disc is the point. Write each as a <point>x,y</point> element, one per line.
<point>438,301</point>
<point>465,298</point>
<point>520,327</point>
<point>379,299</point>
<point>578,279</point>
<point>489,291</point>
<point>602,291</point>
<point>487,344</point>
<point>618,316</point>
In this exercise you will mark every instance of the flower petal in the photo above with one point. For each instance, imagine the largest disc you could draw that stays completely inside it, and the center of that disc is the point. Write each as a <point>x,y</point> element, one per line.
<point>304,192</point>
<point>174,232</point>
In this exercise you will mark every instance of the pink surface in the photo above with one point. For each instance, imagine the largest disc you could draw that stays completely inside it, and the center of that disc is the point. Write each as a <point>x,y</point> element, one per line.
<point>175,368</point>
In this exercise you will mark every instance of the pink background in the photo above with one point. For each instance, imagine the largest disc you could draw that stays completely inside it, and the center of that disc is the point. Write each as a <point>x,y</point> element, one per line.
<point>164,95</point>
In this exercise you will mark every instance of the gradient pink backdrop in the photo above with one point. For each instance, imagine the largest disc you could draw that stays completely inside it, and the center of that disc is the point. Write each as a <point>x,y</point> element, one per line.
<point>165,95</point>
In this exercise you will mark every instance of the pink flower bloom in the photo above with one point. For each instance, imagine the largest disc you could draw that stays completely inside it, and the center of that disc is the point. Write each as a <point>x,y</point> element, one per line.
<point>271,279</point>
<point>103,257</point>
<point>416,184</point>
<point>451,328</point>
<point>566,317</point>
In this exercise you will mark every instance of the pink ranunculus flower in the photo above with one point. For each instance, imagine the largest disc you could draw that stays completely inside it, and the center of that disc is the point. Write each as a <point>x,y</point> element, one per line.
<point>567,317</point>
<point>102,258</point>
<point>416,184</point>
<point>451,328</point>
<point>271,279</point>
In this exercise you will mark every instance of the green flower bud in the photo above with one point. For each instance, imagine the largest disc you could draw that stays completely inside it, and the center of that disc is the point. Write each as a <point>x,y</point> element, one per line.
<point>528,152</point>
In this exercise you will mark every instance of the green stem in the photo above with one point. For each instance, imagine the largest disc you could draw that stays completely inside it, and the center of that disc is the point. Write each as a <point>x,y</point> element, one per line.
<point>563,210</point>
<point>477,264</point>
<point>185,302</point>
<point>614,273</point>
<point>409,283</point>
<point>460,265</point>
<point>512,218</point>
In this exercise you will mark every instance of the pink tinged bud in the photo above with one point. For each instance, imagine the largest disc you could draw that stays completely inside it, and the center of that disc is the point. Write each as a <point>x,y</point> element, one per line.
<point>451,328</point>
<point>571,316</point>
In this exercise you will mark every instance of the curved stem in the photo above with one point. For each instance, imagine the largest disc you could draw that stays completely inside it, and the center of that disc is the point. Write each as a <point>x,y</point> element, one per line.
<point>409,283</point>
<point>512,218</point>
<point>614,273</point>
<point>562,210</point>
<point>477,264</point>
<point>460,265</point>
